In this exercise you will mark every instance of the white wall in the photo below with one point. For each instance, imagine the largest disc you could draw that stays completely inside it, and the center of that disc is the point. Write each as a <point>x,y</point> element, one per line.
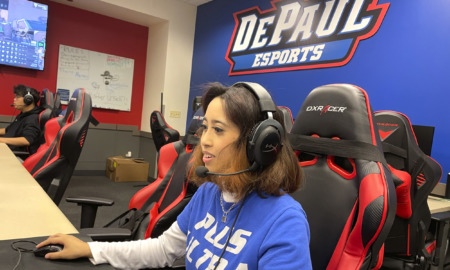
<point>170,48</point>
<point>169,60</point>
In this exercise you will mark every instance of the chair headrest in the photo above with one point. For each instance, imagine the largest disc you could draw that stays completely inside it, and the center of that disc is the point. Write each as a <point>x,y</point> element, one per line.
<point>194,125</point>
<point>162,133</point>
<point>157,120</point>
<point>287,117</point>
<point>46,99</point>
<point>57,106</point>
<point>336,110</point>
<point>78,105</point>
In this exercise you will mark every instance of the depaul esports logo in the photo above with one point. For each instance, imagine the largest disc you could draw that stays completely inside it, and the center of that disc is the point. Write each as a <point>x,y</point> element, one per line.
<point>301,34</point>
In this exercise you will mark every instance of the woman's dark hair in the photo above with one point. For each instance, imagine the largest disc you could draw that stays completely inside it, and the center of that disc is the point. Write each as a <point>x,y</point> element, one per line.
<point>242,108</point>
<point>22,90</point>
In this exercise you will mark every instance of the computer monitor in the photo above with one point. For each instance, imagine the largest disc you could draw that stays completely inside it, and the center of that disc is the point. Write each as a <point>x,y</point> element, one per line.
<point>196,103</point>
<point>447,187</point>
<point>424,136</point>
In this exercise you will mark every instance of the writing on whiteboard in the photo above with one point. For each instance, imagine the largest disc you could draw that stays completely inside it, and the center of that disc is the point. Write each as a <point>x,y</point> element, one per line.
<point>107,78</point>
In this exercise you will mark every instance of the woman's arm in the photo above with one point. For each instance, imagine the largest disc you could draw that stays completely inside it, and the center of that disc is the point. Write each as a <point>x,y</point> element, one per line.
<point>148,253</point>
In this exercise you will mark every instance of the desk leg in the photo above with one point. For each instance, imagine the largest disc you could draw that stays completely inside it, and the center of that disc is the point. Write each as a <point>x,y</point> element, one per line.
<point>441,245</point>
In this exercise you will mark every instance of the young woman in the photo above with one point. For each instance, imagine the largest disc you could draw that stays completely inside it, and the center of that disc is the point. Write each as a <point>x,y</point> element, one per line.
<point>243,220</point>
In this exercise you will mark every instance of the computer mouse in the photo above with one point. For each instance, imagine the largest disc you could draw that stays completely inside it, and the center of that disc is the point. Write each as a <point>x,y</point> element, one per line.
<point>40,252</point>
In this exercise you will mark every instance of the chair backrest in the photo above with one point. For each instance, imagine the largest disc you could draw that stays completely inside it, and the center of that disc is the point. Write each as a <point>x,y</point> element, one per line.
<point>53,164</point>
<point>162,133</point>
<point>416,174</point>
<point>167,196</point>
<point>287,117</point>
<point>348,194</point>
<point>46,102</point>
<point>57,109</point>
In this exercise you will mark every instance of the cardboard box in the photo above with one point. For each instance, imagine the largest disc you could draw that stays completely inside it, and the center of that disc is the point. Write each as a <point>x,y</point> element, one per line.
<point>121,169</point>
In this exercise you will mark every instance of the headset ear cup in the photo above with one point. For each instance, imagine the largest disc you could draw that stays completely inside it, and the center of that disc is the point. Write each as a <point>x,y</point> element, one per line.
<point>264,142</point>
<point>28,98</point>
<point>251,145</point>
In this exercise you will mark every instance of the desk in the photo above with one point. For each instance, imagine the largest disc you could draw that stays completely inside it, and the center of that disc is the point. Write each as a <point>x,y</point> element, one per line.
<point>440,214</point>
<point>26,209</point>
<point>438,205</point>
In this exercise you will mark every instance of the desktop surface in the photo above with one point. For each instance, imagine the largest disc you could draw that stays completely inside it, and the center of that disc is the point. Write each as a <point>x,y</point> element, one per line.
<point>26,208</point>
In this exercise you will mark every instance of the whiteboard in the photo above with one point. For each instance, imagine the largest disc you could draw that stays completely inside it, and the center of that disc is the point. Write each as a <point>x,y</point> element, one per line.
<point>107,78</point>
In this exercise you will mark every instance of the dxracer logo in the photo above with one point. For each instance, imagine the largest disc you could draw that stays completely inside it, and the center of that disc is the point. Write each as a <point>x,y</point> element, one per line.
<point>325,109</point>
<point>301,34</point>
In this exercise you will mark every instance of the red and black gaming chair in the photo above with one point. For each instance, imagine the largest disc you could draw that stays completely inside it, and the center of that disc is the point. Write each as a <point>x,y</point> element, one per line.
<point>348,194</point>
<point>415,176</point>
<point>167,196</point>
<point>53,164</point>
<point>159,202</point>
<point>162,133</point>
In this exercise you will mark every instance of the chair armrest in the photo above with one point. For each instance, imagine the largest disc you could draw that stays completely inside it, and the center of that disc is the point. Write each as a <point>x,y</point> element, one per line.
<point>107,234</point>
<point>90,201</point>
<point>21,154</point>
<point>89,207</point>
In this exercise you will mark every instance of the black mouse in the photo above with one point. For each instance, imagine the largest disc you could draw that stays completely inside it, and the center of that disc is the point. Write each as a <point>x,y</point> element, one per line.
<point>40,252</point>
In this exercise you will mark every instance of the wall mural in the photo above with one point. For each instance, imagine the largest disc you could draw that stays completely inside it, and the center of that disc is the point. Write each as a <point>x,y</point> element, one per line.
<point>301,34</point>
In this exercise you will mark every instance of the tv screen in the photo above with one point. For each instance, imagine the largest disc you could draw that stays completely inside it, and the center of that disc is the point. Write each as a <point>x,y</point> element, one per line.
<point>424,136</point>
<point>23,30</point>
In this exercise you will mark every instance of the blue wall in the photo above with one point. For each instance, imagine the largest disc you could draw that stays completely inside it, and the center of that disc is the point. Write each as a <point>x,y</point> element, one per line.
<point>404,67</point>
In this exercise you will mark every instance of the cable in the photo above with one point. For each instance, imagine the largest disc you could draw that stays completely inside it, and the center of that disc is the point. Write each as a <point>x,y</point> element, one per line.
<point>229,235</point>
<point>12,116</point>
<point>21,249</point>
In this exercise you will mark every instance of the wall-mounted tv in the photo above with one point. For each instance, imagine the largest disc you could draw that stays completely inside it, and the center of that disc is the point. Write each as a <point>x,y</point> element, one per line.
<point>23,30</point>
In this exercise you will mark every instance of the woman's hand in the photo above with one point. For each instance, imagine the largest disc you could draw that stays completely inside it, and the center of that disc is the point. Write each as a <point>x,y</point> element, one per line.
<point>73,247</point>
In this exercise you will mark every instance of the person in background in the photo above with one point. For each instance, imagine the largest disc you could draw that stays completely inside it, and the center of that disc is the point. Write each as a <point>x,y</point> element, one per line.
<point>23,133</point>
<point>242,220</point>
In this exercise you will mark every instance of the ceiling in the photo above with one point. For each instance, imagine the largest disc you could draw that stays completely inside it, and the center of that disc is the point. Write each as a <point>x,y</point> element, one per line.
<point>116,12</point>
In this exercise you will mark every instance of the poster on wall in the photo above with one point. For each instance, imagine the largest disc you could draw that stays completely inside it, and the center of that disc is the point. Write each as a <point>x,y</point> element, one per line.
<point>301,34</point>
<point>107,78</point>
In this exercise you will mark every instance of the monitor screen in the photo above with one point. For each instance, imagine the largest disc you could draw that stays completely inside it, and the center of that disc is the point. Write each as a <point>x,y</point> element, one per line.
<point>23,30</point>
<point>424,136</point>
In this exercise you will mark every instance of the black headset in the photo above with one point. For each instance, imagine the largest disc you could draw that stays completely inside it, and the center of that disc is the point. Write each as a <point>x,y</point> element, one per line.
<point>264,142</point>
<point>28,98</point>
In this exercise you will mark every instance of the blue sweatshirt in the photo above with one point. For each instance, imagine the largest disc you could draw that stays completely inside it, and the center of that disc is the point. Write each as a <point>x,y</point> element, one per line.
<point>270,233</point>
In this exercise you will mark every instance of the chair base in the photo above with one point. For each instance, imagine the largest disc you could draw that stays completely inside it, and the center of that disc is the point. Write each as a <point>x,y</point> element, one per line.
<point>397,263</point>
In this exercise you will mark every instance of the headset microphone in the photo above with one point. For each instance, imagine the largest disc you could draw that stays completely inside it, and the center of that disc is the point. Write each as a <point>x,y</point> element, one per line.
<point>202,171</point>
<point>12,105</point>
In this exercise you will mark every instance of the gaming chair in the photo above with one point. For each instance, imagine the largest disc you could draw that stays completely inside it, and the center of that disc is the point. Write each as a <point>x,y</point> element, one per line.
<point>159,203</point>
<point>162,133</point>
<point>53,164</point>
<point>348,193</point>
<point>415,176</point>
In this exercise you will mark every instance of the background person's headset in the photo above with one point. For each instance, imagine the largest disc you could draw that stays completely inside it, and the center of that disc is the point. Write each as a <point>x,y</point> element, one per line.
<point>264,141</point>
<point>28,99</point>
